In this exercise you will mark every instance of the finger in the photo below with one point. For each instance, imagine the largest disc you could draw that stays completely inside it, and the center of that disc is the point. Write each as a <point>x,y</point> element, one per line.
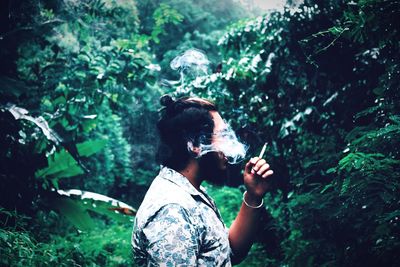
<point>248,167</point>
<point>250,164</point>
<point>254,160</point>
<point>259,163</point>
<point>268,173</point>
<point>263,169</point>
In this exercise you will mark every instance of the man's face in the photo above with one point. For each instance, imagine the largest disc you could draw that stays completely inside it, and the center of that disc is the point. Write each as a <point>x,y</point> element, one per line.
<point>213,165</point>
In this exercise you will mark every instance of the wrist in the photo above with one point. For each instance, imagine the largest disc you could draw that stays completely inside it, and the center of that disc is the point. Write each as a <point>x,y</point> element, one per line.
<point>253,197</point>
<point>252,201</point>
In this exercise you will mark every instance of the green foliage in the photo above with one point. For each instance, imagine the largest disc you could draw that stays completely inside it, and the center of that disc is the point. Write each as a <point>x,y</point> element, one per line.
<point>200,25</point>
<point>319,83</point>
<point>164,14</point>
<point>18,247</point>
<point>75,212</point>
<point>103,246</point>
<point>75,206</point>
<point>61,164</point>
<point>111,168</point>
<point>312,84</point>
<point>228,201</point>
<point>78,68</point>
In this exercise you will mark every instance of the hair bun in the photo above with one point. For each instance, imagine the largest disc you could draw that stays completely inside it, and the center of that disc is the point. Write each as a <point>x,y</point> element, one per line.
<point>166,100</point>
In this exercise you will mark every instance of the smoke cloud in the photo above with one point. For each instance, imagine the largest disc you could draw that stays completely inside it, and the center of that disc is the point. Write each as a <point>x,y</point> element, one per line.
<point>225,142</point>
<point>192,64</point>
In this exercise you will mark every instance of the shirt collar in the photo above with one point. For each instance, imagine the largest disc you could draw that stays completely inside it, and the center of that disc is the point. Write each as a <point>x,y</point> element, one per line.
<point>178,179</point>
<point>181,181</point>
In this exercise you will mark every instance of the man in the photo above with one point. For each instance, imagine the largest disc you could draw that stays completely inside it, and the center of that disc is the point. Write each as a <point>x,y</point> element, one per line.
<point>177,223</point>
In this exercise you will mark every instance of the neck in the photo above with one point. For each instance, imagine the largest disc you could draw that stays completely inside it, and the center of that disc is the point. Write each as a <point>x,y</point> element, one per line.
<point>191,172</point>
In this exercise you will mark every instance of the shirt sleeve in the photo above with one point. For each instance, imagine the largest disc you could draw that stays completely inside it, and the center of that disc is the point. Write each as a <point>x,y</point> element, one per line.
<point>172,239</point>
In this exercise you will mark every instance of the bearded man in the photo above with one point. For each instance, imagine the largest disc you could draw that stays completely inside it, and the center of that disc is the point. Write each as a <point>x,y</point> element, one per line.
<point>178,224</point>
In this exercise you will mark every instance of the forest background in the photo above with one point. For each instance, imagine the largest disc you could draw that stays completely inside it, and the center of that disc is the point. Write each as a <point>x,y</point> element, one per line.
<point>318,80</point>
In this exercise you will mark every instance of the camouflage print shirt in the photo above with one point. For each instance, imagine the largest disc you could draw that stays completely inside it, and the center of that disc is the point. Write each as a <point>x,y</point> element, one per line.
<point>178,225</point>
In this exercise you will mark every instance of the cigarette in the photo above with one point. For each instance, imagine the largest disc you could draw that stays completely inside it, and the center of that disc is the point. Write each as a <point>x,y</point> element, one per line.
<point>263,150</point>
<point>261,155</point>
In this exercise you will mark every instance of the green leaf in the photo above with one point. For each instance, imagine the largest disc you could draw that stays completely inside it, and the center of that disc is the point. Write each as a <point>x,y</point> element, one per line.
<point>328,186</point>
<point>366,112</point>
<point>379,91</point>
<point>55,183</point>
<point>309,163</point>
<point>11,86</point>
<point>21,113</point>
<point>345,186</point>
<point>84,58</point>
<point>59,100</point>
<point>89,125</point>
<point>331,170</point>
<point>391,215</point>
<point>60,164</point>
<point>74,212</point>
<point>79,202</point>
<point>88,148</point>
<point>80,74</point>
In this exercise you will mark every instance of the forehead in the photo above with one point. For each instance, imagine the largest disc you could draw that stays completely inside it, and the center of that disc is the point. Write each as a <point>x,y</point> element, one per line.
<point>219,123</point>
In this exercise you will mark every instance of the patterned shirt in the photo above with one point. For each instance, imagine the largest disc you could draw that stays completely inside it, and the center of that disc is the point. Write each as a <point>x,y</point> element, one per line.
<point>178,225</point>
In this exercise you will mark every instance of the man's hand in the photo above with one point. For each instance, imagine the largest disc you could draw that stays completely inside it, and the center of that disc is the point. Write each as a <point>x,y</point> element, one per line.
<point>256,174</point>
<point>246,225</point>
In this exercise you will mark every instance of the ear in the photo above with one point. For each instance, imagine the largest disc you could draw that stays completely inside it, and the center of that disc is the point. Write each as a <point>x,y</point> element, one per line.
<point>194,150</point>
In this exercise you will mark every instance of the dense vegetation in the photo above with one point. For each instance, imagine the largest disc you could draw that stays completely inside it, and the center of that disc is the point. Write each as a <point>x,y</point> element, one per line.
<point>79,86</point>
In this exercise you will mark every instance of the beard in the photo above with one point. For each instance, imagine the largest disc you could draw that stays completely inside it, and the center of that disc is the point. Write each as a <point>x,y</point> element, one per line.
<point>212,168</point>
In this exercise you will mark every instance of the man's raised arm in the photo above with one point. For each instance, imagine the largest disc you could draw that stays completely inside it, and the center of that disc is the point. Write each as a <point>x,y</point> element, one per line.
<point>247,222</point>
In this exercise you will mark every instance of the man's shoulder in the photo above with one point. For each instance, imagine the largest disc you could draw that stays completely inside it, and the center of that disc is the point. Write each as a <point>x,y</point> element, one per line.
<point>161,193</point>
<point>164,191</point>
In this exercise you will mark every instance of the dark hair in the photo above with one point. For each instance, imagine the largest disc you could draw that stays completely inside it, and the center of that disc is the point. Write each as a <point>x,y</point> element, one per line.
<point>182,120</point>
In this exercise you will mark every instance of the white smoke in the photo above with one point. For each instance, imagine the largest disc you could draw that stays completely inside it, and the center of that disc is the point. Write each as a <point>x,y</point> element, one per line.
<point>192,60</point>
<point>224,141</point>
<point>191,65</point>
